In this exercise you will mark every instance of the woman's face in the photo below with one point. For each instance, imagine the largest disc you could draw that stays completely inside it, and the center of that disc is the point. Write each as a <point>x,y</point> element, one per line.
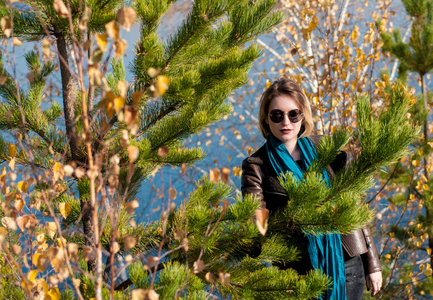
<point>286,130</point>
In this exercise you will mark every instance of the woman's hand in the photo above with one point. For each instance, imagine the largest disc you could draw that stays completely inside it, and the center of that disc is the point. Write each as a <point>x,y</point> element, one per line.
<point>374,282</point>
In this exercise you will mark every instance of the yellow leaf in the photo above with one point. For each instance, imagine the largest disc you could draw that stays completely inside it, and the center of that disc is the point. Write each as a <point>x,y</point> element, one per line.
<point>12,150</point>
<point>126,17</point>
<point>162,84</point>
<point>65,209</point>
<point>22,186</point>
<point>40,261</point>
<point>61,242</point>
<point>268,83</point>
<point>428,251</point>
<point>54,293</point>
<point>112,29</point>
<point>101,41</point>
<point>61,8</point>
<point>119,103</point>
<point>31,276</point>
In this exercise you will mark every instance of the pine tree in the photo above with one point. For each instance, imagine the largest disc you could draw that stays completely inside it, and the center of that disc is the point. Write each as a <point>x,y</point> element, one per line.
<point>413,174</point>
<point>119,133</point>
<point>179,87</point>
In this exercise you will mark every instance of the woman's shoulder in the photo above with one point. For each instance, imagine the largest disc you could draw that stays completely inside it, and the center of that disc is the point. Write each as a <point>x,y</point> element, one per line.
<point>257,157</point>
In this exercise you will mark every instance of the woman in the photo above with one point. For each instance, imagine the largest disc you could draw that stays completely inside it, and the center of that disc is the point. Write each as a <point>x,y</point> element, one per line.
<point>285,120</point>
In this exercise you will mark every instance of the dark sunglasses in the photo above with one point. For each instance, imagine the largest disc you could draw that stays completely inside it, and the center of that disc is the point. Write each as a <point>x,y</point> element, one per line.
<point>277,116</point>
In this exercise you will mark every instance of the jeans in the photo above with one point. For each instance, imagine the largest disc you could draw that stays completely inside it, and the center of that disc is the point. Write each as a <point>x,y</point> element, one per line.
<point>355,278</point>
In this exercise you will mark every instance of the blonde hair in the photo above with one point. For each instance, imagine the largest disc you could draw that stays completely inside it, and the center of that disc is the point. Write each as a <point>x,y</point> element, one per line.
<point>285,87</point>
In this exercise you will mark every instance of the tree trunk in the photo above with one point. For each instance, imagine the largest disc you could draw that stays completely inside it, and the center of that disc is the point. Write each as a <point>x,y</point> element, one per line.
<point>71,131</point>
<point>68,97</point>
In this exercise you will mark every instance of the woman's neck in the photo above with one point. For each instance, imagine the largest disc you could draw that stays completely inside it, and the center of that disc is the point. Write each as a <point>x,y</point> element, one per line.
<point>293,149</point>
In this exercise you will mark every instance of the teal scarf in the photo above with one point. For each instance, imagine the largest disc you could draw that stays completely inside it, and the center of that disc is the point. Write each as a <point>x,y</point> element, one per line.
<point>325,251</point>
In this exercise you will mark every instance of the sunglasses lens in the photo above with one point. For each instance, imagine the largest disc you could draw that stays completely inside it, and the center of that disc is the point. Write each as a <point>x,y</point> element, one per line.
<point>277,115</point>
<point>295,115</point>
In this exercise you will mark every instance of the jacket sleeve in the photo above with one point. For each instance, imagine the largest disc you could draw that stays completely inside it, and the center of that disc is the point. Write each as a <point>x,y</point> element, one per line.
<point>370,259</point>
<point>251,180</point>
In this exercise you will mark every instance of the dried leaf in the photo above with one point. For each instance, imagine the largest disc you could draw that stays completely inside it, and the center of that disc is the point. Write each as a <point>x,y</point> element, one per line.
<point>22,186</point>
<point>210,277</point>
<point>122,86</point>
<point>6,25</point>
<point>163,151</point>
<point>3,79</point>
<point>141,294</point>
<point>88,253</point>
<point>69,170</point>
<point>294,51</point>
<point>40,261</point>
<point>138,294</point>
<point>152,72</point>
<point>126,17</point>
<point>19,205</point>
<point>61,8</point>
<point>58,172</point>
<point>131,206</point>
<point>51,229</point>
<point>183,169</point>
<point>225,174</point>
<point>214,175</point>
<point>133,152</point>
<point>224,278</point>
<point>152,261</point>
<point>65,209</point>
<point>172,193</point>
<point>16,249</point>
<point>46,47</point>
<point>85,18</point>
<point>129,242</point>
<point>198,266</point>
<point>120,47</point>
<point>262,220</point>
<point>17,42</point>
<point>112,29</point>
<point>101,41</point>
<point>79,172</point>
<point>136,97</point>
<point>115,247</point>
<point>21,222</point>
<point>130,115</point>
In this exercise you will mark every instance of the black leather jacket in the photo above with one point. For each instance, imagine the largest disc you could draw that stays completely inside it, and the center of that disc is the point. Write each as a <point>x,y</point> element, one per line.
<point>259,178</point>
